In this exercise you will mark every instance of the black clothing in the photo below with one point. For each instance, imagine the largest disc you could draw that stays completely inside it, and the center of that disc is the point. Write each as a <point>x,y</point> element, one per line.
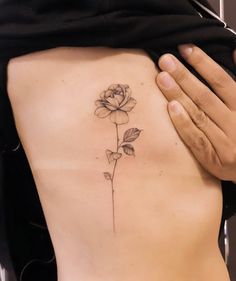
<point>157,26</point>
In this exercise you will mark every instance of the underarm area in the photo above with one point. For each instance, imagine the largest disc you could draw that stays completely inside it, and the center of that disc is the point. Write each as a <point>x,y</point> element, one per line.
<point>104,153</point>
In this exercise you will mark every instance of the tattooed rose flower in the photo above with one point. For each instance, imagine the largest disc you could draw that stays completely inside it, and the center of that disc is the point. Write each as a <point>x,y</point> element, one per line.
<point>115,102</point>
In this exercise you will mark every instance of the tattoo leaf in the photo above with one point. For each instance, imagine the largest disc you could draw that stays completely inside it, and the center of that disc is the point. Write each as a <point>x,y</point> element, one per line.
<point>107,175</point>
<point>131,135</point>
<point>128,149</point>
<point>111,156</point>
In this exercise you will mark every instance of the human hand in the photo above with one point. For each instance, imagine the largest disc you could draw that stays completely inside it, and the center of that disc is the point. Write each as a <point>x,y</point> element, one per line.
<point>205,121</point>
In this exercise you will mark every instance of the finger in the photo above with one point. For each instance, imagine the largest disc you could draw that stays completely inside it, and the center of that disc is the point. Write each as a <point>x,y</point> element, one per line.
<point>172,91</point>
<point>202,96</point>
<point>196,140</point>
<point>220,81</point>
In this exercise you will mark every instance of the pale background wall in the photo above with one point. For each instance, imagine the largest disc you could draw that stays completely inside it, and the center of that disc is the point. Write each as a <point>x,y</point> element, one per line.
<point>230,10</point>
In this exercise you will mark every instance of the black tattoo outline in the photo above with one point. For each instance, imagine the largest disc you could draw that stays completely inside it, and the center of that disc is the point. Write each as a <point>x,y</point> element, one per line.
<point>115,103</point>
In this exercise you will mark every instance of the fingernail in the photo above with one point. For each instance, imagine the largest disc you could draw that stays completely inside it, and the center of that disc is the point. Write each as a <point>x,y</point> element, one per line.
<point>174,106</point>
<point>186,50</point>
<point>167,63</point>
<point>166,80</point>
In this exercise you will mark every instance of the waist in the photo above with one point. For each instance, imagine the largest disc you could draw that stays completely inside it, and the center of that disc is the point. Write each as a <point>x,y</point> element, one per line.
<point>165,230</point>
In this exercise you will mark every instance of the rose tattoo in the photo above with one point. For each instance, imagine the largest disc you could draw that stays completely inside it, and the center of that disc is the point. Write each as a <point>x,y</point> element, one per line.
<point>115,103</point>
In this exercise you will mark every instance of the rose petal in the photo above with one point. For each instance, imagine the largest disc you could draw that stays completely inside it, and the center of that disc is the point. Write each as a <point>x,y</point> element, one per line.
<point>127,93</point>
<point>102,95</point>
<point>112,86</point>
<point>129,105</point>
<point>119,117</point>
<point>102,112</point>
<point>113,101</point>
<point>109,106</point>
<point>128,90</point>
<point>119,98</point>
<point>120,89</point>
<point>99,103</point>
<point>109,93</point>
<point>106,94</point>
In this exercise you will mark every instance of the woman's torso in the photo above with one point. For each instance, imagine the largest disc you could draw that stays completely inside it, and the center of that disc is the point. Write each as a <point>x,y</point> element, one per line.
<point>168,208</point>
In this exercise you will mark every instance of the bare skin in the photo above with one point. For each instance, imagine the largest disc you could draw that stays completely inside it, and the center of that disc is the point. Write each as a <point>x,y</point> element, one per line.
<point>167,207</point>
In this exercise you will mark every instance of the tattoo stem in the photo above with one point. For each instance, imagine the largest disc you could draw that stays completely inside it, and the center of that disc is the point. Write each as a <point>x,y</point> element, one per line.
<point>112,179</point>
